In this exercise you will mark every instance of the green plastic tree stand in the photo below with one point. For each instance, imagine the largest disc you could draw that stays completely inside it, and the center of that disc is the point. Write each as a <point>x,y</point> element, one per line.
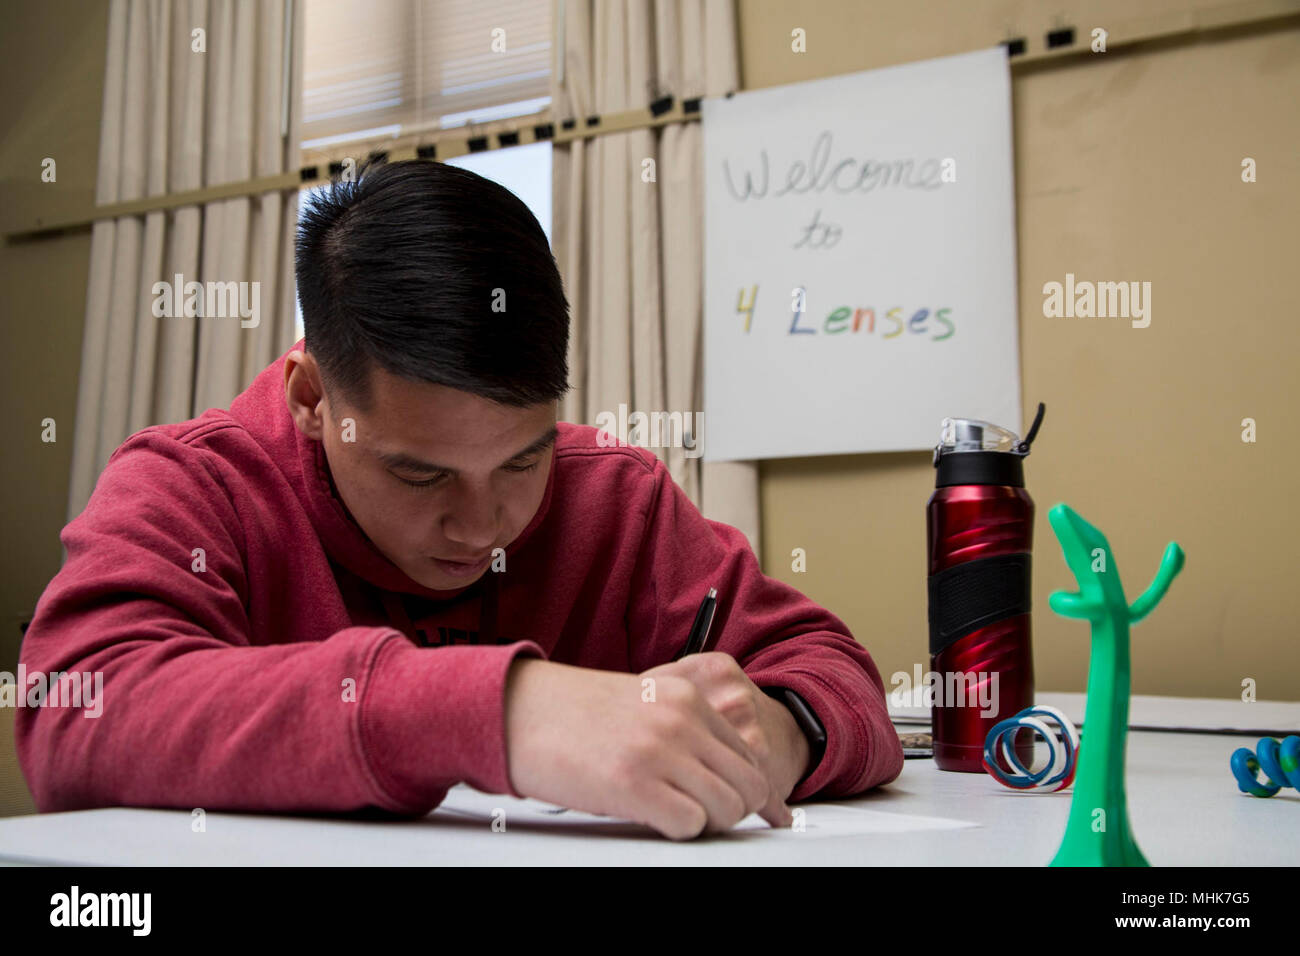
<point>1098,832</point>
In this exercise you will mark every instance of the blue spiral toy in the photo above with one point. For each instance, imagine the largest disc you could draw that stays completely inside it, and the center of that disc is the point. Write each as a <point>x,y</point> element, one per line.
<point>1279,761</point>
<point>1062,755</point>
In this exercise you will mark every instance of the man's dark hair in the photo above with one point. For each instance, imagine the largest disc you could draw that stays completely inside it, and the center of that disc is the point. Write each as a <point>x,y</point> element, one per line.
<point>401,268</point>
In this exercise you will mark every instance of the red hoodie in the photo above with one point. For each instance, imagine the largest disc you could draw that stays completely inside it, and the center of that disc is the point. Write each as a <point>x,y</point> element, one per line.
<point>303,671</point>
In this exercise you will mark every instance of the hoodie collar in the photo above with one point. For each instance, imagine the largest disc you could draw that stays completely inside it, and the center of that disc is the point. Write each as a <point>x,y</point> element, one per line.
<point>264,412</point>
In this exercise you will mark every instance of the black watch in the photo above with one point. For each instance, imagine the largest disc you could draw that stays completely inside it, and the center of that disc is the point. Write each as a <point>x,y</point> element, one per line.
<point>803,715</point>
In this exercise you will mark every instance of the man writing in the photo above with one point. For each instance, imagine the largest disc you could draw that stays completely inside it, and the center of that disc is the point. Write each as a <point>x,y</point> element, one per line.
<point>388,569</point>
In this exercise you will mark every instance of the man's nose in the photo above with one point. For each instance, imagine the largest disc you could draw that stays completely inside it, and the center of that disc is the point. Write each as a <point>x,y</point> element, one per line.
<point>473,517</point>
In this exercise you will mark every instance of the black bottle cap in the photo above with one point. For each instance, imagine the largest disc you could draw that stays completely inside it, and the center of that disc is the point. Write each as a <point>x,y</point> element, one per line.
<point>958,460</point>
<point>981,468</point>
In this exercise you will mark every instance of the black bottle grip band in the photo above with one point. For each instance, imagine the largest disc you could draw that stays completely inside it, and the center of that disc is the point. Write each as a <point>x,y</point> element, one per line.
<point>975,594</point>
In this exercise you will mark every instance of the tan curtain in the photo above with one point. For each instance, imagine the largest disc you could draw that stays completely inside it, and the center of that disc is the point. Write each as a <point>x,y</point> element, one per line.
<point>176,119</point>
<point>632,252</point>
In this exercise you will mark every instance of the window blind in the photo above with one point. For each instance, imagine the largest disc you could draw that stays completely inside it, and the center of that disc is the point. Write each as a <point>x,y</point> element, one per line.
<point>376,67</point>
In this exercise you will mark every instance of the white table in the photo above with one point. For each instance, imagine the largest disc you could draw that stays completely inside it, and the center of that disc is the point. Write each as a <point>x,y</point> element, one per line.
<point>1183,803</point>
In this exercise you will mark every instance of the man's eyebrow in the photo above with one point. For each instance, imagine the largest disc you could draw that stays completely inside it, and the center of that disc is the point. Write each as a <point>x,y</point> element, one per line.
<point>397,459</point>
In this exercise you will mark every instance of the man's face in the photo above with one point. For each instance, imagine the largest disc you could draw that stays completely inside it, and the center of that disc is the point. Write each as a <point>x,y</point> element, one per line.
<point>433,474</point>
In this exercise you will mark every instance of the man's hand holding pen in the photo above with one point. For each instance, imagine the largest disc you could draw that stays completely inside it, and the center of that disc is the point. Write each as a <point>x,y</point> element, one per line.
<point>765,725</point>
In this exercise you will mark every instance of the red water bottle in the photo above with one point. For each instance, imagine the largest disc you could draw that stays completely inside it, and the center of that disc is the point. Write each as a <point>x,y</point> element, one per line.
<point>980,530</point>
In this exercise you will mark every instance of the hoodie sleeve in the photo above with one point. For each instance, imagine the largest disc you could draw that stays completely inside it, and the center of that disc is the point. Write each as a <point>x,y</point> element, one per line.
<point>192,715</point>
<point>779,637</point>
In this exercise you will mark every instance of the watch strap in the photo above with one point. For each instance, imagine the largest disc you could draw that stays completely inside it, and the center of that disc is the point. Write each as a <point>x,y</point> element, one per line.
<point>807,720</point>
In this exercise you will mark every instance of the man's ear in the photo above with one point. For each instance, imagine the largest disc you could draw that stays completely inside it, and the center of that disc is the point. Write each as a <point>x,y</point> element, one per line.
<point>304,393</point>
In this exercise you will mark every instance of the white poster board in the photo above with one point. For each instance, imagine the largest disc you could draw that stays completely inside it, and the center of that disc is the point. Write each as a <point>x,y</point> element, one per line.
<point>882,203</point>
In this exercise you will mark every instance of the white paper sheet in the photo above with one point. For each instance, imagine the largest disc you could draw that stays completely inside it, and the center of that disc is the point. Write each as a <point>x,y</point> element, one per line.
<point>1274,717</point>
<point>818,819</point>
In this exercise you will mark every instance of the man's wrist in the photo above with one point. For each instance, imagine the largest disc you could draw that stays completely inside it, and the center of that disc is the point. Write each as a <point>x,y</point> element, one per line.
<point>809,740</point>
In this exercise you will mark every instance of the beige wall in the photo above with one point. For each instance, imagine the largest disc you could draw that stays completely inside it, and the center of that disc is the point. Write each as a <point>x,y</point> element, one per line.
<point>52,71</point>
<point>52,64</point>
<point>1127,168</point>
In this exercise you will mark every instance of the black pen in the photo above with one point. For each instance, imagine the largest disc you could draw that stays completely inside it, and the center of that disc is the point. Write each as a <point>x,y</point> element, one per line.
<point>699,635</point>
